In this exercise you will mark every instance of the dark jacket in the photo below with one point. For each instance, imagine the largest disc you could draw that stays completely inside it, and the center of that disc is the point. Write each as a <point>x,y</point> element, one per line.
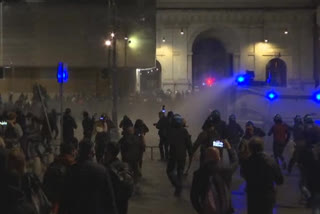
<point>298,132</point>
<point>179,143</point>
<point>310,161</point>
<point>140,128</point>
<point>13,199</point>
<point>221,176</point>
<point>220,127</point>
<point>69,125</point>
<point>87,125</point>
<point>261,172</point>
<point>87,190</point>
<point>131,147</point>
<point>126,123</point>
<point>235,132</point>
<point>162,126</point>
<point>312,134</point>
<point>55,177</point>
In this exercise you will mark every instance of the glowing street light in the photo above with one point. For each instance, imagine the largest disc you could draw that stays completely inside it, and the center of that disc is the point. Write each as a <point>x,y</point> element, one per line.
<point>163,39</point>
<point>181,32</point>
<point>266,41</point>
<point>113,34</point>
<point>107,42</point>
<point>286,32</point>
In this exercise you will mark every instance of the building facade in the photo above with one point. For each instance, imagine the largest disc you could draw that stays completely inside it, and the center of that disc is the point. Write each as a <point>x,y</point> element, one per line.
<point>221,39</point>
<point>37,34</point>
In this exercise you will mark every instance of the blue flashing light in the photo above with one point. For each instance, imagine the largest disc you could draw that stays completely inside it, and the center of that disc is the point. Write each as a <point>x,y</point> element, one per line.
<point>272,96</point>
<point>316,97</point>
<point>240,79</point>
<point>62,73</point>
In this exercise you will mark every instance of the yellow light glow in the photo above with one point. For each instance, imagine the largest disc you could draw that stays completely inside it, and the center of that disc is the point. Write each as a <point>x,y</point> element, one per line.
<point>133,42</point>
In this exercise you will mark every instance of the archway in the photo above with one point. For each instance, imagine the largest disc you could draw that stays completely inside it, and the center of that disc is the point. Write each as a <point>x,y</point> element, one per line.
<point>276,72</point>
<point>150,80</point>
<point>210,61</point>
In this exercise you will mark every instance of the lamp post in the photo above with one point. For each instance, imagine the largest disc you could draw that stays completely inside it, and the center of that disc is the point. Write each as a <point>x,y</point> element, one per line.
<point>112,10</point>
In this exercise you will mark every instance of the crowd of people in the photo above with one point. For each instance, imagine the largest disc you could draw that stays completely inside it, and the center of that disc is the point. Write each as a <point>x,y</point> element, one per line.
<point>88,177</point>
<point>211,187</point>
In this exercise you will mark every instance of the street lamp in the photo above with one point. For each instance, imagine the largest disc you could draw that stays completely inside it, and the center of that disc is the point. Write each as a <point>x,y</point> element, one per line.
<point>108,42</point>
<point>113,34</point>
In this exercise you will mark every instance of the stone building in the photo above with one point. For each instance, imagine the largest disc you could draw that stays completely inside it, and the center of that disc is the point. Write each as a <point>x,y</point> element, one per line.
<point>197,39</point>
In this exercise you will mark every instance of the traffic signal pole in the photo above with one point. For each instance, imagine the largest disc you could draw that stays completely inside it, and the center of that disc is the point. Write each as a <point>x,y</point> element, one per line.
<point>61,111</point>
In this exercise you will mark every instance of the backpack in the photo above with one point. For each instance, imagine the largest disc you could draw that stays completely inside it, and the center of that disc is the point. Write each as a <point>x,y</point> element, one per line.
<point>53,181</point>
<point>123,182</point>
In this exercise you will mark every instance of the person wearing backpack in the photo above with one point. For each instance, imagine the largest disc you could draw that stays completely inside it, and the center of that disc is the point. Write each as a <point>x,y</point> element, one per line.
<point>54,177</point>
<point>121,177</point>
<point>210,191</point>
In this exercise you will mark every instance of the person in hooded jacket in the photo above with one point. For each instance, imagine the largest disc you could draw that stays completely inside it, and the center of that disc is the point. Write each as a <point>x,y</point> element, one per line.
<point>125,124</point>
<point>235,132</point>
<point>131,148</point>
<point>179,146</point>
<point>219,125</point>
<point>211,185</point>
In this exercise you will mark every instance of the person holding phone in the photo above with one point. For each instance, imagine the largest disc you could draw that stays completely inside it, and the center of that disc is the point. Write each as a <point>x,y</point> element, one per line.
<point>210,191</point>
